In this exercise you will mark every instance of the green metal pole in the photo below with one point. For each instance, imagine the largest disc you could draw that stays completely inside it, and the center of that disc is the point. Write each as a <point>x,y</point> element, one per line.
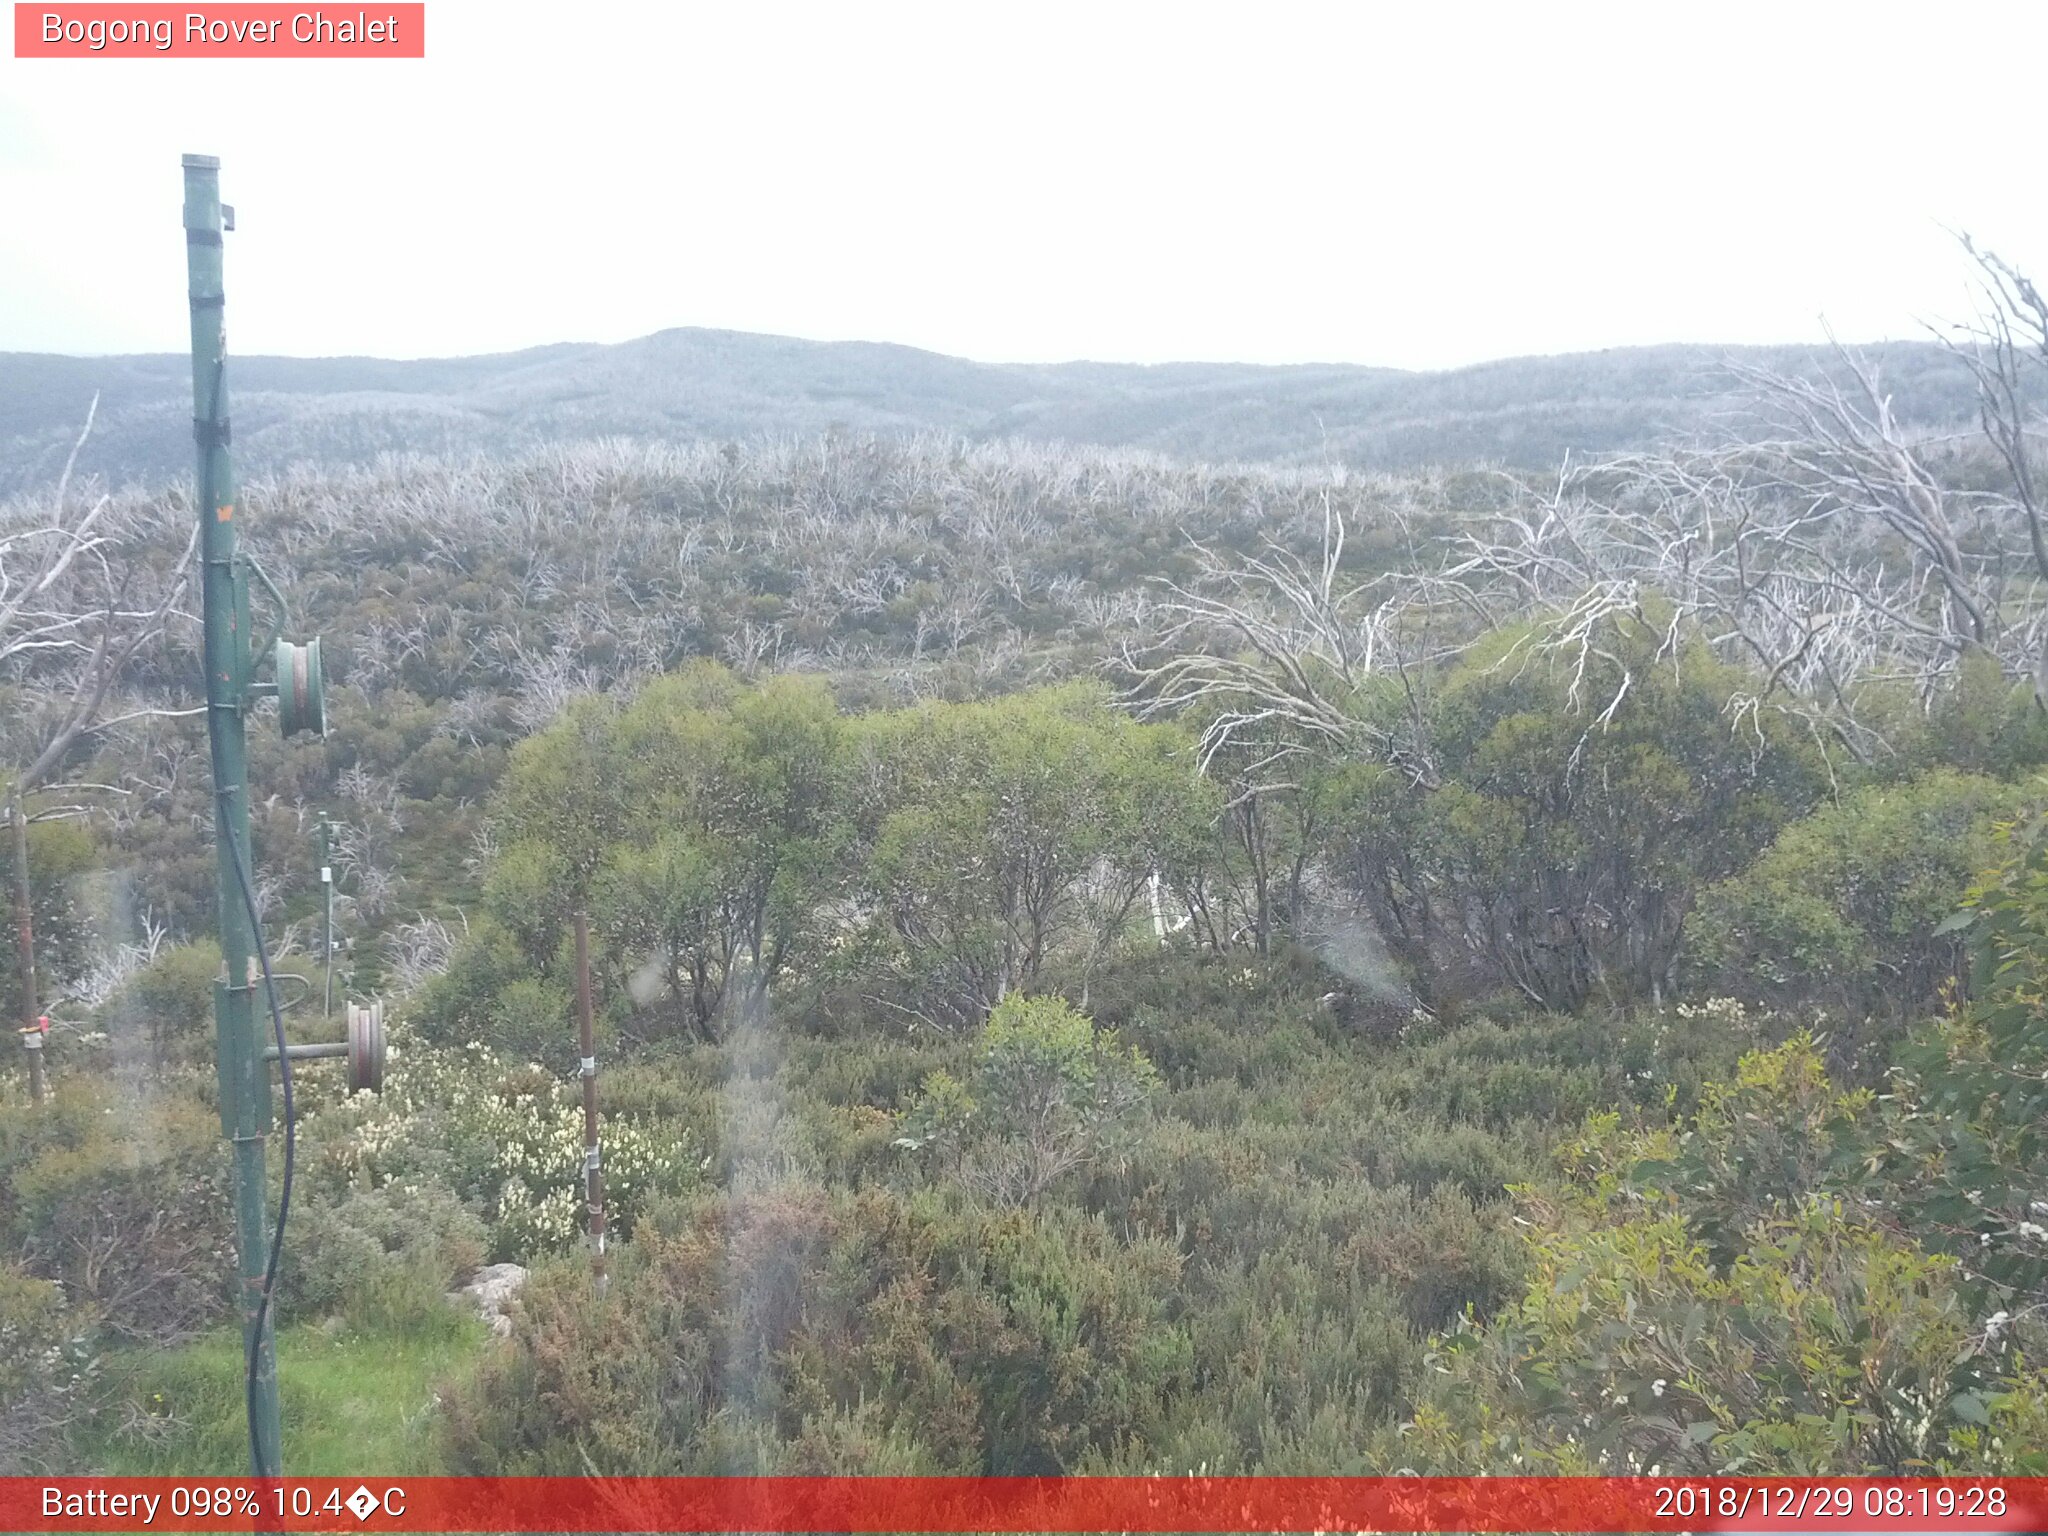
<point>244,1075</point>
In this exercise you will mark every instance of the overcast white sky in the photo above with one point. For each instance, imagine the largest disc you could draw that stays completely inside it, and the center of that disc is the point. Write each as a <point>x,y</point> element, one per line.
<point>1418,184</point>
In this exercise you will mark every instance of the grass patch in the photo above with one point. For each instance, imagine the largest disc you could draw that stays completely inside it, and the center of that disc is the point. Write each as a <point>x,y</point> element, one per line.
<point>355,1403</point>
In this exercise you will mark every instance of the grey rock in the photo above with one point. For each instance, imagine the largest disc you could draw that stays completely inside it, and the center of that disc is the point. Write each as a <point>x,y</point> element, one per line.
<point>492,1290</point>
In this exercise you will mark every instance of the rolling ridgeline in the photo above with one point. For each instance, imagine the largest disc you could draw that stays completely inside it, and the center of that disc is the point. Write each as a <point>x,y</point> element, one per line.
<point>689,385</point>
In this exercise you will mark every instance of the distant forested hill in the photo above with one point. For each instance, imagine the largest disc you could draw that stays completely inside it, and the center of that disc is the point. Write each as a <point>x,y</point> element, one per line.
<point>695,384</point>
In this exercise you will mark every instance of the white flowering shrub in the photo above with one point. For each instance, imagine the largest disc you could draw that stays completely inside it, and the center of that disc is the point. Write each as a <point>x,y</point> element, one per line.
<point>506,1137</point>
<point>1721,1010</point>
<point>47,1365</point>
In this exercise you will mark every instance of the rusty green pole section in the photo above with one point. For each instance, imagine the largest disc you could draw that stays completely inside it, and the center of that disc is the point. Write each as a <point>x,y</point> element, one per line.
<point>327,924</point>
<point>244,1075</point>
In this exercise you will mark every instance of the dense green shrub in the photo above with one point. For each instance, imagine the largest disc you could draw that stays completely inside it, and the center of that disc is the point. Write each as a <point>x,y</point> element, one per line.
<point>1562,844</point>
<point>743,1339</point>
<point>1718,1302</point>
<point>1004,834</point>
<point>168,1006</point>
<point>1845,908</point>
<point>703,825</point>
<point>122,1199</point>
<point>1958,1152</point>
<point>1983,723</point>
<point>1245,1283</point>
<point>461,1003</point>
<point>47,1364</point>
<point>1049,1094</point>
<point>380,1256</point>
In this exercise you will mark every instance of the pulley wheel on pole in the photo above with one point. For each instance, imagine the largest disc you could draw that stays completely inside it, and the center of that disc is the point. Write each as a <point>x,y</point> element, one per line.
<point>301,690</point>
<point>365,1047</point>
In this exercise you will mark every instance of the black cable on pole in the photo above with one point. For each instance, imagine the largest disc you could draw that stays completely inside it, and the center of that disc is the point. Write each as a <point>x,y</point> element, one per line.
<point>284,1204</point>
<point>224,825</point>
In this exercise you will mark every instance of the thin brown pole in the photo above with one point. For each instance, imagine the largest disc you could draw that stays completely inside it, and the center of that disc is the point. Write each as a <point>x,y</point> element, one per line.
<point>25,941</point>
<point>593,1173</point>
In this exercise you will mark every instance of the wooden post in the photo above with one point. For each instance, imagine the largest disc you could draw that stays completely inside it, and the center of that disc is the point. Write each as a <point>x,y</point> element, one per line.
<point>593,1172</point>
<point>25,943</point>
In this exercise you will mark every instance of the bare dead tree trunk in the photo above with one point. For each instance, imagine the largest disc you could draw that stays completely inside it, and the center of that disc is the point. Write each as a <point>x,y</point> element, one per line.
<point>2011,333</point>
<point>76,598</point>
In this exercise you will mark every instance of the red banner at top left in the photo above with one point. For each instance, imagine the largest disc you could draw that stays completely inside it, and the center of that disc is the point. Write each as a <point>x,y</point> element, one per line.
<point>231,31</point>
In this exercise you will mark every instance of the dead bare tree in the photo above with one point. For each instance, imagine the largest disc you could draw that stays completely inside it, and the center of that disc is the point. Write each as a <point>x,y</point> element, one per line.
<point>420,949</point>
<point>1830,556</point>
<point>2006,348</point>
<point>1274,652</point>
<point>78,603</point>
<point>1851,468</point>
<point>1728,546</point>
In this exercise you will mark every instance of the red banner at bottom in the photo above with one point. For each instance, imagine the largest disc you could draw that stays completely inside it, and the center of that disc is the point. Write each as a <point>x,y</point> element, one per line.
<point>976,1504</point>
